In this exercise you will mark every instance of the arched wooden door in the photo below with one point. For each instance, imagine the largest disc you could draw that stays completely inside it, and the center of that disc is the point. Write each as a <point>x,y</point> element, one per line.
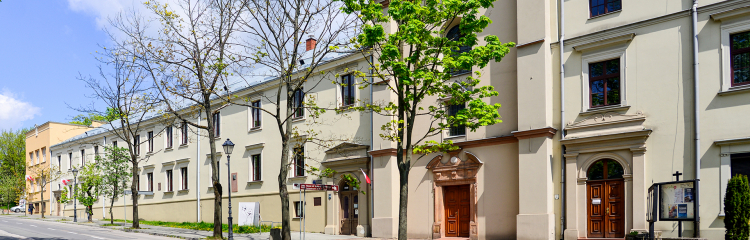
<point>605,189</point>
<point>349,201</point>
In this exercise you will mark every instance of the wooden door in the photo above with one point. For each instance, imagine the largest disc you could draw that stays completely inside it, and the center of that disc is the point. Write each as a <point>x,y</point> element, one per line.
<point>606,208</point>
<point>349,212</point>
<point>457,203</point>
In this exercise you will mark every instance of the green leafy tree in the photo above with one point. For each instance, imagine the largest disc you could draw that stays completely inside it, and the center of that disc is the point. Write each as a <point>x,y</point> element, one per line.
<point>64,199</point>
<point>13,162</point>
<point>737,209</point>
<point>43,176</point>
<point>116,172</point>
<point>417,61</point>
<point>86,120</point>
<point>7,191</point>
<point>90,180</point>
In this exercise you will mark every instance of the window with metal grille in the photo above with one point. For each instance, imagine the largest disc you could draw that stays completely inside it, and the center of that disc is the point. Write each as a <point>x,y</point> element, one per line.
<point>599,7</point>
<point>604,83</point>
<point>740,58</point>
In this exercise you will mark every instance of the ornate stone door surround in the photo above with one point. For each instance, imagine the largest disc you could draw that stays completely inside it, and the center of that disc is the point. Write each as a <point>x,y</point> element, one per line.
<point>614,136</point>
<point>454,171</point>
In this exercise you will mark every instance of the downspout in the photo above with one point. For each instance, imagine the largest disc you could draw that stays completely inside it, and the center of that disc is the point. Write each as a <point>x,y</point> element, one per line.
<point>198,170</point>
<point>562,120</point>
<point>372,142</point>
<point>696,122</point>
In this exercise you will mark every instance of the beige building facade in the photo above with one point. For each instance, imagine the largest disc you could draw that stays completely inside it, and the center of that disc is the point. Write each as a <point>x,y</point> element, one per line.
<point>573,158</point>
<point>39,157</point>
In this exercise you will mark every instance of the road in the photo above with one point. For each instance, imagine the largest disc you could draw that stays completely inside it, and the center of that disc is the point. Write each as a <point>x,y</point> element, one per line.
<point>12,227</point>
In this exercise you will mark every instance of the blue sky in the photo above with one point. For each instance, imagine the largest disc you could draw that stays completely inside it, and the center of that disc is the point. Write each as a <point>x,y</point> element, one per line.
<point>44,45</point>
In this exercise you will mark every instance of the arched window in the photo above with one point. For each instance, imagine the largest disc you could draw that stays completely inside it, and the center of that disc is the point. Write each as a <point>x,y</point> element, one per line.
<point>605,169</point>
<point>454,34</point>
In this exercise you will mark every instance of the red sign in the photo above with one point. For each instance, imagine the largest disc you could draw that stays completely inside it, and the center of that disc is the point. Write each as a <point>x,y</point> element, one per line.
<point>319,187</point>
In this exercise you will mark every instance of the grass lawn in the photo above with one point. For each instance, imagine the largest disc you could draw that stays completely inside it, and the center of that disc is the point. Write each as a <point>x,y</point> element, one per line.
<point>203,226</point>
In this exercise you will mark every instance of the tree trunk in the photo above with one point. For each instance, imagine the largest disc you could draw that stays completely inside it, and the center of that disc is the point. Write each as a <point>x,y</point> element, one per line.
<point>403,200</point>
<point>112,204</point>
<point>41,205</point>
<point>134,195</point>
<point>214,169</point>
<point>283,193</point>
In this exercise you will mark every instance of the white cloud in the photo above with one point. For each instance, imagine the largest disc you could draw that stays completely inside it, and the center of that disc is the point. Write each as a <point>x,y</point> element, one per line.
<point>101,9</point>
<point>13,112</point>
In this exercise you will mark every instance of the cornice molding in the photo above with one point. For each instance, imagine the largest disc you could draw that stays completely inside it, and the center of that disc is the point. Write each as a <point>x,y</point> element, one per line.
<point>254,146</point>
<point>547,132</point>
<point>383,152</point>
<point>733,141</point>
<point>530,43</point>
<point>605,41</point>
<point>735,12</point>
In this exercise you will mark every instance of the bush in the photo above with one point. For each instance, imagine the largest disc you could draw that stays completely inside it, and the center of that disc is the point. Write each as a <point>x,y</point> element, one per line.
<point>737,209</point>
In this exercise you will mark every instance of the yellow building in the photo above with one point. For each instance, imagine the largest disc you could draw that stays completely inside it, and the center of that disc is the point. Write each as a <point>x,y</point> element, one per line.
<point>38,157</point>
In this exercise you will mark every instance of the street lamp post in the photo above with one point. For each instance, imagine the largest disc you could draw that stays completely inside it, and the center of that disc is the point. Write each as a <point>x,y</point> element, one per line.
<point>228,147</point>
<point>75,193</point>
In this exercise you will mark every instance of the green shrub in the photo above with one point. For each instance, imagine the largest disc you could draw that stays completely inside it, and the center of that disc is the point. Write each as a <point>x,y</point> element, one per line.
<point>737,209</point>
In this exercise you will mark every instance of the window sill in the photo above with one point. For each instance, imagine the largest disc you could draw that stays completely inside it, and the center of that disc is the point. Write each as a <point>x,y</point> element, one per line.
<point>298,119</point>
<point>255,129</point>
<point>255,182</point>
<point>297,178</point>
<point>297,218</point>
<point>602,15</point>
<point>591,111</point>
<point>455,137</point>
<point>460,74</point>
<point>736,90</point>
<point>168,192</point>
<point>183,190</point>
<point>168,149</point>
<point>183,145</point>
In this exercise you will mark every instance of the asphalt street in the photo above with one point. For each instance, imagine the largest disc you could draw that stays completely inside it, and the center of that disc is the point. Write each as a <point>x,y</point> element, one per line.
<point>13,227</point>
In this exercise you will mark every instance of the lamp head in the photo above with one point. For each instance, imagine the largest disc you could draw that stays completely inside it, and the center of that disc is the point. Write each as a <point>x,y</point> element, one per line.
<point>75,171</point>
<point>228,146</point>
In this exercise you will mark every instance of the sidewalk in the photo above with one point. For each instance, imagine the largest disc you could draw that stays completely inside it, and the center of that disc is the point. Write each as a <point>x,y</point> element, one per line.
<point>177,232</point>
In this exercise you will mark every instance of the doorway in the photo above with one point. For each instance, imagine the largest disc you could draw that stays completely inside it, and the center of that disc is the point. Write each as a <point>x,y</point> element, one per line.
<point>349,198</point>
<point>457,204</point>
<point>605,189</point>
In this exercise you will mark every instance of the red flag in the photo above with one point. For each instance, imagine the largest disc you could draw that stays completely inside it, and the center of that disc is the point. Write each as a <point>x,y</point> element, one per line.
<point>366,177</point>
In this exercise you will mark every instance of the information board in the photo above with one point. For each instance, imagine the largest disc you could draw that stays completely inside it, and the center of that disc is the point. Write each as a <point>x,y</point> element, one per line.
<point>677,201</point>
<point>249,214</point>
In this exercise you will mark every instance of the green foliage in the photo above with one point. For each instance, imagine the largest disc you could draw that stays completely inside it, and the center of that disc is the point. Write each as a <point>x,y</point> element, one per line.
<point>116,172</point>
<point>111,115</point>
<point>13,165</point>
<point>90,181</point>
<point>737,209</point>
<point>204,226</point>
<point>64,199</point>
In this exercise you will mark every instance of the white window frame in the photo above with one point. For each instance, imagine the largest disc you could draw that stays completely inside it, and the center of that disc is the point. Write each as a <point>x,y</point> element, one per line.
<point>299,207</point>
<point>250,118</point>
<point>725,169</point>
<point>594,57</point>
<point>340,94</point>
<point>726,61</point>
<point>218,126</point>
<point>37,156</point>
<point>184,133</point>
<point>167,137</point>
<point>167,184</point>
<point>150,182</point>
<point>255,149</point>
<point>44,154</point>
<point>182,178</point>
<point>70,160</point>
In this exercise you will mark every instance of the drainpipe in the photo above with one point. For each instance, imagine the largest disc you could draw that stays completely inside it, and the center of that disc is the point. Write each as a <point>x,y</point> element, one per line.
<point>696,122</point>
<point>562,120</point>
<point>372,142</point>
<point>198,170</point>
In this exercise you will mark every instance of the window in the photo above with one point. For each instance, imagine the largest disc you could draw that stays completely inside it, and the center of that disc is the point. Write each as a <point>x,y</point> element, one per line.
<point>59,161</point>
<point>217,124</point>
<point>604,83</point>
<point>44,155</point>
<point>317,201</point>
<point>184,134</point>
<point>169,136</point>
<point>169,180</point>
<point>347,90</point>
<point>83,157</point>
<point>298,209</point>
<point>31,157</point>
<point>605,169</point>
<point>740,58</point>
<point>454,34</point>
<point>460,129</point>
<point>183,178</point>
<point>740,164</point>
<point>37,156</point>
<point>150,136</point>
<point>299,161</point>
<point>114,143</point>
<point>599,7</point>
<point>299,99</point>
<point>256,167</point>
<point>96,152</point>
<point>255,114</point>
<point>137,143</point>
<point>70,160</point>
<point>150,178</point>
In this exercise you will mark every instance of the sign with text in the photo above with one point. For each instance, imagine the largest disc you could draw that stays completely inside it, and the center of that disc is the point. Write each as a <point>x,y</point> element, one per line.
<point>677,201</point>
<point>319,187</point>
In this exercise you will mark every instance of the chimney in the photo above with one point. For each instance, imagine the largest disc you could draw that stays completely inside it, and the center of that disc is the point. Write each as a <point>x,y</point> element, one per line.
<point>310,43</point>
